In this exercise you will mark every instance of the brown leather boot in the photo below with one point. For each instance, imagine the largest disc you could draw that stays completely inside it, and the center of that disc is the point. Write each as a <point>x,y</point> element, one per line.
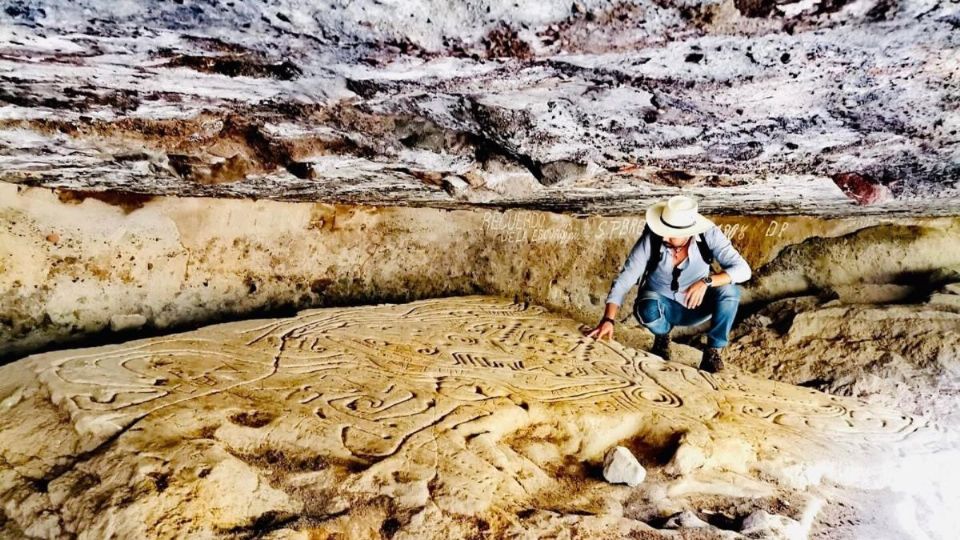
<point>712,360</point>
<point>661,346</point>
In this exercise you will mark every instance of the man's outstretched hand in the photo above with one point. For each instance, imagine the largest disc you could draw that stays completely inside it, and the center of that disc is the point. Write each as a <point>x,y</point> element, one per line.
<point>603,330</point>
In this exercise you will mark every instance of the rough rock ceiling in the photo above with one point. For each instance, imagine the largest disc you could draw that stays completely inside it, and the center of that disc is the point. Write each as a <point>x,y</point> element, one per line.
<point>821,107</point>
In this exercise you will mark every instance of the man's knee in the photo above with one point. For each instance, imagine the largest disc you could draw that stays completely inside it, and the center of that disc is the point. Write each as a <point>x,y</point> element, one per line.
<point>649,311</point>
<point>729,293</point>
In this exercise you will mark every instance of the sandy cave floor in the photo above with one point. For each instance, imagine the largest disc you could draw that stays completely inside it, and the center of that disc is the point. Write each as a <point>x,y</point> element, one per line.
<point>466,417</point>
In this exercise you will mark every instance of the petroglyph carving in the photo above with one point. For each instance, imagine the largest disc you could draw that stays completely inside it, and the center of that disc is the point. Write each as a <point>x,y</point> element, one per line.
<point>380,375</point>
<point>459,406</point>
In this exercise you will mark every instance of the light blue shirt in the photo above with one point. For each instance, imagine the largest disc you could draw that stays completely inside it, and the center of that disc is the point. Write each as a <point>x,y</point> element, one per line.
<point>692,268</point>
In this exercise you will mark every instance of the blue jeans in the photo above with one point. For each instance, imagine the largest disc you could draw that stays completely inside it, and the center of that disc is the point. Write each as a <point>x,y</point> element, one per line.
<point>660,313</point>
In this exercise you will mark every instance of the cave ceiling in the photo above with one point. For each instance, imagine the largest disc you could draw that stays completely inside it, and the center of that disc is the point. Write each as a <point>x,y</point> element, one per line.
<point>830,108</point>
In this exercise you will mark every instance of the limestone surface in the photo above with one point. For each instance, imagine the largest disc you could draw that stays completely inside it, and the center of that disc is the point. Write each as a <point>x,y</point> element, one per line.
<point>455,417</point>
<point>903,354</point>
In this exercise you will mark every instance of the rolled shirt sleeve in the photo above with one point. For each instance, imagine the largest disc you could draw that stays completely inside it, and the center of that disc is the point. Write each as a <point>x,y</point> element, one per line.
<point>727,256</point>
<point>631,272</point>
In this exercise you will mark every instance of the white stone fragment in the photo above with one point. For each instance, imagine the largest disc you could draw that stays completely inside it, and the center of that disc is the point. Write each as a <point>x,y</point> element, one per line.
<point>454,185</point>
<point>952,288</point>
<point>127,321</point>
<point>685,520</point>
<point>619,466</point>
<point>762,524</point>
<point>945,300</point>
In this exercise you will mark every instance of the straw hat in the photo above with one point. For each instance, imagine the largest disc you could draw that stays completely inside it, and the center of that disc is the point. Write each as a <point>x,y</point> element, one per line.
<point>677,216</point>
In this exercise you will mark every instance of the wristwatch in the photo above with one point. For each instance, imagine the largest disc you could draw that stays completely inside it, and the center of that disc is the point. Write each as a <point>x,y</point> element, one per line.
<point>708,280</point>
<point>608,319</point>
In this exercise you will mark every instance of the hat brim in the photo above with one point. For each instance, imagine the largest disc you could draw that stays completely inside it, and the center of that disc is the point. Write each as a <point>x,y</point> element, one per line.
<point>656,224</point>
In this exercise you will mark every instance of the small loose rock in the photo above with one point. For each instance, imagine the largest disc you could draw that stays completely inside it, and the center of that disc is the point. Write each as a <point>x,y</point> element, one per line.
<point>620,467</point>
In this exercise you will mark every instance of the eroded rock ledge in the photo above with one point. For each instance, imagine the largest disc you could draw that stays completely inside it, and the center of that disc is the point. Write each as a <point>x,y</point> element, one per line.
<point>78,264</point>
<point>435,419</point>
<point>819,108</point>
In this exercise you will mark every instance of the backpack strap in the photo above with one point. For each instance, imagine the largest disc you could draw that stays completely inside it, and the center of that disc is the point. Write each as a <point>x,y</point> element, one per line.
<point>656,242</point>
<point>705,252</point>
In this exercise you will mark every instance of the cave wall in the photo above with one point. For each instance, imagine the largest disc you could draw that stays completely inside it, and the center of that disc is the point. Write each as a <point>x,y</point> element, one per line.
<point>76,264</point>
<point>568,264</point>
<point>73,265</point>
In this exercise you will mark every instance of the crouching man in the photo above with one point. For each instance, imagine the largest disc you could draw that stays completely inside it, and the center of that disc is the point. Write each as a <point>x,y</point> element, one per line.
<point>671,262</point>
